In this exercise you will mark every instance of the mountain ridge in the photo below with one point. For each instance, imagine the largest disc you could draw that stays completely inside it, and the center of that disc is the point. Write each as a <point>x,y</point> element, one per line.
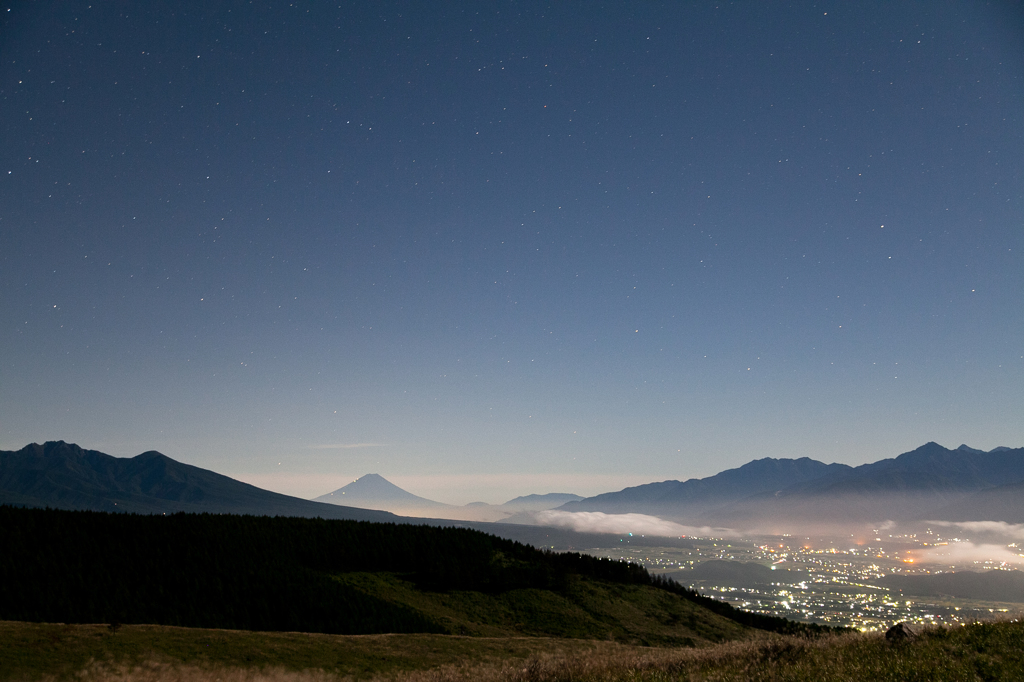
<point>698,495</point>
<point>930,482</point>
<point>65,476</point>
<point>927,482</point>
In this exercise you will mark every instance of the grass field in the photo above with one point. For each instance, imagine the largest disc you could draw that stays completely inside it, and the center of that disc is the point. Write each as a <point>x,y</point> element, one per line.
<point>588,609</point>
<point>33,651</point>
<point>97,653</point>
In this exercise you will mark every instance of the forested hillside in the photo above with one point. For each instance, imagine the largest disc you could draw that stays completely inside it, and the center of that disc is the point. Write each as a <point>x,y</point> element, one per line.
<point>263,573</point>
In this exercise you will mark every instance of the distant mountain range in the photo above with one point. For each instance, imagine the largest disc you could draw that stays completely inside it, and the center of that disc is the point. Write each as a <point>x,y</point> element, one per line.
<point>373,491</point>
<point>777,495</point>
<point>64,476</point>
<point>540,502</point>
<point>766,495</point>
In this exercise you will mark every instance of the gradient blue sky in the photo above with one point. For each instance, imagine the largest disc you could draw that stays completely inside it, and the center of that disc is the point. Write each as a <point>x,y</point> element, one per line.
<point>489,249</point>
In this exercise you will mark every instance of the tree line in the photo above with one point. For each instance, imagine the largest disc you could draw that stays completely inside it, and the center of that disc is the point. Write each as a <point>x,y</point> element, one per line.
<point>272,573</point>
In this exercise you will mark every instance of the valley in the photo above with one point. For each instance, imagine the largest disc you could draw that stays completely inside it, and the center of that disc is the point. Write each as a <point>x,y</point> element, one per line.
<point>854,574</point>
<point>833,581</point>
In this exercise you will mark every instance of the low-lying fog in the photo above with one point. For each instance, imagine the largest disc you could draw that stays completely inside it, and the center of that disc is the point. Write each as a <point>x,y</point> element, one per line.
<point>944,543</point>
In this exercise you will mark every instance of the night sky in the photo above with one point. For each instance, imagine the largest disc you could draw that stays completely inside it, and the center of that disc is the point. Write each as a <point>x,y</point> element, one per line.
<point>490,249</point>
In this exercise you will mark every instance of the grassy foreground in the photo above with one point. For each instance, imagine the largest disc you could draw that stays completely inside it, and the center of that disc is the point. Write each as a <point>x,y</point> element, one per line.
<point>95,653</point>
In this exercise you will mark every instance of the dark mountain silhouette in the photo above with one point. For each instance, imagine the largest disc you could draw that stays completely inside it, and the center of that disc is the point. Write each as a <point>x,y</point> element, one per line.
<point>696,497</point>
<point>540,502</point>
<point>933,468</point>
<point>921,484</point>
<point>931,482</point>
<point>373,491</point>
<point>64,476</point>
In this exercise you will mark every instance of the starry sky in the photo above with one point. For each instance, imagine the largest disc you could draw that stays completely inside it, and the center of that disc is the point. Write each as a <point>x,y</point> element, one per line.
<point>491,249</point>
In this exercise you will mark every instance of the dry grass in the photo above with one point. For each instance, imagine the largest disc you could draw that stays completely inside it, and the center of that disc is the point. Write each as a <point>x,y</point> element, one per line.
<point>167,672</point>
<point>734,660</point>
<point>979,652</point>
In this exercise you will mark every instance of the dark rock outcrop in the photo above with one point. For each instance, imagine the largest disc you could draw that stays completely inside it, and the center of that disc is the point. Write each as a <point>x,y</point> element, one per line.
<point>901,633</point>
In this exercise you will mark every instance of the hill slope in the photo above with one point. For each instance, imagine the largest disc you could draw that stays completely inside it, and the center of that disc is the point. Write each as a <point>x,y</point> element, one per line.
<point>64,476</point>
<point>314,575</point>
